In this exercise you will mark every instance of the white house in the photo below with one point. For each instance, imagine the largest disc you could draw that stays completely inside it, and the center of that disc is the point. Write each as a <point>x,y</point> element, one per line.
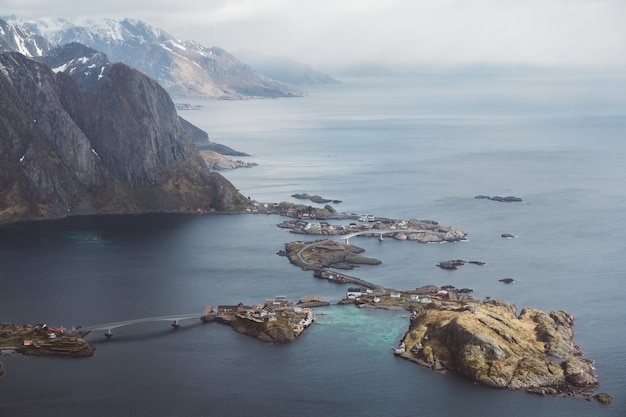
<point>355,292</point>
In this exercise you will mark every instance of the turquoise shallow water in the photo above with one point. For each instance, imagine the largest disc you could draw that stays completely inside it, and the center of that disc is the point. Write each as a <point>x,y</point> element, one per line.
<point>418,148</point>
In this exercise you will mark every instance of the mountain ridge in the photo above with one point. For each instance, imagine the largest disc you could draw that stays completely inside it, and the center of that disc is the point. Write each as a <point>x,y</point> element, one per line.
<point>96,138</point>
<point>184,68</point>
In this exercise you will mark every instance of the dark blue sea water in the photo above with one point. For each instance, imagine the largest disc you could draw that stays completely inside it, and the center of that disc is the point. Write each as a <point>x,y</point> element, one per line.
<point>407,147</point>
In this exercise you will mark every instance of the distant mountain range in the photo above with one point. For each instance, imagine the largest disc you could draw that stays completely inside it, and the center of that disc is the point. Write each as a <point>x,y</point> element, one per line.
<point>183,67</point>
<point>284,69</point>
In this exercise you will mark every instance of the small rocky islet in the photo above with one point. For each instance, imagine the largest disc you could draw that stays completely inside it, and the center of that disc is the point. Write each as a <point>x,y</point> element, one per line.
<point>507,199</point>
<point>454,264</point>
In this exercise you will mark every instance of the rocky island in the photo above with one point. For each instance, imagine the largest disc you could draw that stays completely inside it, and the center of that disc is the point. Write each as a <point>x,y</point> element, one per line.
<point>315,198</point>
<point>490,343</point>
<point>422,231</point>
<point>453,264</point>
<point>328,254</point>
<point>42,340</point>
<point>275,321</point>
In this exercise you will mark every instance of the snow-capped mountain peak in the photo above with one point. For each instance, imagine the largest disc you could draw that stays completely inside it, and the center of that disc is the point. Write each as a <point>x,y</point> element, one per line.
<point>14,37</point>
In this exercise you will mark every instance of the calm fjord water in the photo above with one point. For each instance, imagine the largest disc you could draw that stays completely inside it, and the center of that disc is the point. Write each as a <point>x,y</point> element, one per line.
<point>409,147</point>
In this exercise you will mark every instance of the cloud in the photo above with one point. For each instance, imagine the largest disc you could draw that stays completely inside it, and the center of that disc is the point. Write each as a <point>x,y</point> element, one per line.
<point>443,32</point>
<point>426,32</point>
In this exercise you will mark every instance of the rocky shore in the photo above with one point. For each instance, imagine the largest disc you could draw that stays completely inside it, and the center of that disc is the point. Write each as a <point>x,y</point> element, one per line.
<point>217,162</point>
<point>490,343</point>
<point>275,332</point>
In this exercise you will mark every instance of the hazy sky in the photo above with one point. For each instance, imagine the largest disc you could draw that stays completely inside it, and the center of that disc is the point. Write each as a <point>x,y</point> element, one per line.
<point>424,32</point>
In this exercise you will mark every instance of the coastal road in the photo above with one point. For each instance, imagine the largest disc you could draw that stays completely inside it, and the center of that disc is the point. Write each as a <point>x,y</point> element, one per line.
<point>348,278</point>
<point>380,232</point>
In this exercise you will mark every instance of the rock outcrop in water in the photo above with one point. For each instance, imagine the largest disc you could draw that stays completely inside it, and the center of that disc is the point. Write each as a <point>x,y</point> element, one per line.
<point>95,138</point>
<point>507,199</point>
<point>489,343</point>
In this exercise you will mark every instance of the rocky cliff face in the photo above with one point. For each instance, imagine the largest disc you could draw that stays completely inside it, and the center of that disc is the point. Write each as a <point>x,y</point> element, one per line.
<point>489,343</point>
<point>95,137</point>
<point>182,67</point>
<point>278,331</point>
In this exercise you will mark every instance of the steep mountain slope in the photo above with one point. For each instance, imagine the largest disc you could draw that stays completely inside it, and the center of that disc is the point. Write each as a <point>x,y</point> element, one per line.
<point>19,39</point>
<point>183,68</point>
<point>96,138</point>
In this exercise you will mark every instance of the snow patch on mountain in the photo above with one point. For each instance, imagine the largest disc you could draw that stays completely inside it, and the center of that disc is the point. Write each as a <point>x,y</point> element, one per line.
<point>176,44</point>
<point>4,71</point>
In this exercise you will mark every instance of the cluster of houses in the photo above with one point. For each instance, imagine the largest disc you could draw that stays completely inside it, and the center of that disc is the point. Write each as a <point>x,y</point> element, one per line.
<point>322,227</point>
<point>307,227</point>
<point>256,207</point>
<point>49,331</point>
<point>304,225</point>
<point>361,295</point>
<point>298,317</point>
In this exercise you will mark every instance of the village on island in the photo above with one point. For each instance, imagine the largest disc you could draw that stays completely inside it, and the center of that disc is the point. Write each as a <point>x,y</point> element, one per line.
<point>486,341</point>
<point>275,321</point>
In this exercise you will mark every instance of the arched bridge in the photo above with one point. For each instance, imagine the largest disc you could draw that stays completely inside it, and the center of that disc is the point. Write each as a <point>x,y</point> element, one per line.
<point>379,232</point>
<point>175,319</point>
